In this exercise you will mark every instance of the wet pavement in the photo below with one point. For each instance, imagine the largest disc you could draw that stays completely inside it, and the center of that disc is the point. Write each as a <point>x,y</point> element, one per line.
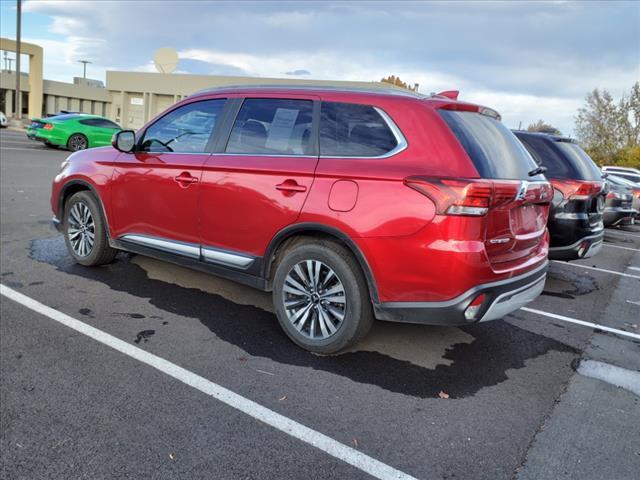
<point>75,408</point>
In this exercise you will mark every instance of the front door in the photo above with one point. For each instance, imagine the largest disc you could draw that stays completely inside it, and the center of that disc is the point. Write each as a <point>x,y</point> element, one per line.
<point>257,184</point>
<point>155,190</point>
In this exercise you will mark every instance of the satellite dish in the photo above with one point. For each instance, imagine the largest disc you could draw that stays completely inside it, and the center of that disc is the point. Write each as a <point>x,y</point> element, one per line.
<point>166,60</point>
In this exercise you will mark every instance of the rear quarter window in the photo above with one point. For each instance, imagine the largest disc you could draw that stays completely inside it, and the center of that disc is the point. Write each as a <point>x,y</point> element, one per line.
<point>354,130</point>
<point>492,147</point>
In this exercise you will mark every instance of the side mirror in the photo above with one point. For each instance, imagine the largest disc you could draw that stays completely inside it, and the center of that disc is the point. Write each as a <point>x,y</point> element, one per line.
<point>124,141</point>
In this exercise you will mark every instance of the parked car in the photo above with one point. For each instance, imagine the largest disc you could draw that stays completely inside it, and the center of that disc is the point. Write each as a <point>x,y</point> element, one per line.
<point>75,131</point>
<point>618,208</point>
<point>632,174</point>
<point>3,120</point>
<point>347,204</point>
<point>575,221</point>
<point>635,191</point>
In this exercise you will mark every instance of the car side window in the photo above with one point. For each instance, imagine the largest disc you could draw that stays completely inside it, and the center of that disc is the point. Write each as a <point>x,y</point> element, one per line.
<point>186,129</point>
<point>91,122</point>
<point>353,130</point>
<point>104,123</point>
<point>272,126</point>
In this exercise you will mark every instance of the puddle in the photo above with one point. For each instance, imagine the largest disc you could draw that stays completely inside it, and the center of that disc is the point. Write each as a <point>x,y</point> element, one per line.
<point>413,360</point>
<point>569,284</point>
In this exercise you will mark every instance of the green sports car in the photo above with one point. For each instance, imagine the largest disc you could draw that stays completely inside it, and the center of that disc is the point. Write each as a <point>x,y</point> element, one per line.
<point>75,131</point>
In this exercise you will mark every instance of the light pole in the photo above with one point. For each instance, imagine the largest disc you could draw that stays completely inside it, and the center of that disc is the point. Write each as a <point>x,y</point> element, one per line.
<point>84,67</point>
<point>18,113</point>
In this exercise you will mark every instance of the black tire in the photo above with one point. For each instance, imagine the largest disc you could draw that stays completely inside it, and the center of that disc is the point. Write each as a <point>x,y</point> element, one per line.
<point>100,252</point>
<point>357,313</point>
<point>77,141</point>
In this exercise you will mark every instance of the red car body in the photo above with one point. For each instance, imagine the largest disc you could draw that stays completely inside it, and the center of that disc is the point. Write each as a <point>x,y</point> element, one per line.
<point>422,264</point>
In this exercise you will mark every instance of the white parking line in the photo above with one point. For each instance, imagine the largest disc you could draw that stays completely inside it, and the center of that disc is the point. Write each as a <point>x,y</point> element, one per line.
<point>322,442</point>
<point>27,149</point>
<point>599,269</point>
<point>621,333</point>
<point>624,248</point>
<point>634,268</point>
<point>624,233</point>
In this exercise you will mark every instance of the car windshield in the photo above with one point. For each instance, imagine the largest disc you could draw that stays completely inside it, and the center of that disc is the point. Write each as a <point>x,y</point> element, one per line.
<point>494,150</point>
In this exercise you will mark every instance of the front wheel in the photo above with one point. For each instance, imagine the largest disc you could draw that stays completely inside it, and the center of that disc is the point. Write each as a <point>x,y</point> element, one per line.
<point>85,232</point>
<point>76,142</point>
<point>321,297</point>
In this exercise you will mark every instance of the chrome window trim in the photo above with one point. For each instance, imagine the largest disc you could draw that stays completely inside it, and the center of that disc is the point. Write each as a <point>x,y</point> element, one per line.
<point>224,257</point>
<point>181,248</point>
<point>402,143</point>
<point>226,154</point>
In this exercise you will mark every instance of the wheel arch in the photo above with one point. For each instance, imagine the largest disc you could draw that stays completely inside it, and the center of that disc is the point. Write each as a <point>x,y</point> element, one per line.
<point>74,186</point>
<point>284,238</point>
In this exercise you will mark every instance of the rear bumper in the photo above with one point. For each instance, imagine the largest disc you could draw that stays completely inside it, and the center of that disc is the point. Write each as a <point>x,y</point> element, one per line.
<point>502,297</point>
<point>616,215</point>
<point>584,248</point>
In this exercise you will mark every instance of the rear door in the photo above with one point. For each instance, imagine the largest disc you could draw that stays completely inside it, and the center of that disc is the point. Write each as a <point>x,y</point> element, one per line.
<point>154,191</point>
<point>515,229</point>
<point>257,181</point>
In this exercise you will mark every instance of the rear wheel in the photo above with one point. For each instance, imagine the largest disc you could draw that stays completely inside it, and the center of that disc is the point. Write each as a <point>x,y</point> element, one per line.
<point>77,141</point>
<point>85,232</point>
<point>321,297</point>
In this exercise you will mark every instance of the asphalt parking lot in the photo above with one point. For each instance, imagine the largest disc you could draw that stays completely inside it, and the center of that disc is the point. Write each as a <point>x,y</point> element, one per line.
<point>520,397</point>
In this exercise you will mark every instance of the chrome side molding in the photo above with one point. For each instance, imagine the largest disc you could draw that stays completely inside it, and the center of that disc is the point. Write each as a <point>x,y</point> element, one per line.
<point>192,250</point>
<point>224,257</point>
<point>187,249</point>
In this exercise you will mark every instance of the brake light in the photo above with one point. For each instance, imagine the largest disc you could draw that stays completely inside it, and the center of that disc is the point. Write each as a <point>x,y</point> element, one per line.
<point>577,189</point>
<point>618,196</point>
<point>473,197</point>
<point>48,126</point>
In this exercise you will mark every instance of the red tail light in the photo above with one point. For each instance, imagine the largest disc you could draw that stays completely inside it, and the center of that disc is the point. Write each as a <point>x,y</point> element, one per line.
<point>577,189</point>
<point>457,196</point>
<point>48,126</point>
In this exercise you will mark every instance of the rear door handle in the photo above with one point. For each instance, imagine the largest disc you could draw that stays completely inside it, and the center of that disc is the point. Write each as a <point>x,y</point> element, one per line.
<point>185,177</point>
<point>291,186</point>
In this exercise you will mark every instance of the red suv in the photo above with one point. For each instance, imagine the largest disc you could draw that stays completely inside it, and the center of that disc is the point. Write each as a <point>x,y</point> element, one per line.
<point>347,204</point>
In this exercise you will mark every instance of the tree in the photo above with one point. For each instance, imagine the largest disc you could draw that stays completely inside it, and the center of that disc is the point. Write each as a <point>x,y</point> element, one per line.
<point>542,126</point>
<point>610,131</point>
<point>393,80</point>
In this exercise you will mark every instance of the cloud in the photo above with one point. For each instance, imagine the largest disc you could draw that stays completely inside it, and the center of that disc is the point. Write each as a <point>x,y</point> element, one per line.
<point>298,72</point>
<point>526,59</point>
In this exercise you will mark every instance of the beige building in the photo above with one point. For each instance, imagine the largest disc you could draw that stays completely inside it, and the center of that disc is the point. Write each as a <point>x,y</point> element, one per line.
<point>129,98</point>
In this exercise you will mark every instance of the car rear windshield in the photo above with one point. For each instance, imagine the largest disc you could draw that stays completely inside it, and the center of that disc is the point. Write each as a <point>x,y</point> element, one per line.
<point>562,158</point>
<point>492,147</point>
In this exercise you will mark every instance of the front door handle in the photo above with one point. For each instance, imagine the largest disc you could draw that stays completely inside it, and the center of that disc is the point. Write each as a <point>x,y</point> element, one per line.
<point>185,179</point>
<point>291,186</point>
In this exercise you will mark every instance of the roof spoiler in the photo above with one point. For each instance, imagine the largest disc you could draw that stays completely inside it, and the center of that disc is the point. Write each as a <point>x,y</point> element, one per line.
<point>452,94</point>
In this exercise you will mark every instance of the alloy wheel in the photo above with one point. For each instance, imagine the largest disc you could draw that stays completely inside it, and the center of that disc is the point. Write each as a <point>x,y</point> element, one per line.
<point>81,229</point>
<point>315,300</point>
<point>77,142</point>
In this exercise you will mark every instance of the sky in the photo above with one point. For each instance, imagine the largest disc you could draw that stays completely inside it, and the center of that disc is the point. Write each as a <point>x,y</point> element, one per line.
<point>528,60</point>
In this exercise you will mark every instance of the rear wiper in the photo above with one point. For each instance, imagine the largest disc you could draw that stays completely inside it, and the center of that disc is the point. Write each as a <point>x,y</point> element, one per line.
<point>537,171</point>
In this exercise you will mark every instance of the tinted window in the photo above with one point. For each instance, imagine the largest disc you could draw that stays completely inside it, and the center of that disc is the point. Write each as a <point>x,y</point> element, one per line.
<point>184,130</point>
<point>493,148</point>
<point>99,122</point>
<point>272,126</point>
<point>544,153</point>
<point>562,159</point>
<point>587,169</point>
<point>629,176</point>
<point>351,130</point>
